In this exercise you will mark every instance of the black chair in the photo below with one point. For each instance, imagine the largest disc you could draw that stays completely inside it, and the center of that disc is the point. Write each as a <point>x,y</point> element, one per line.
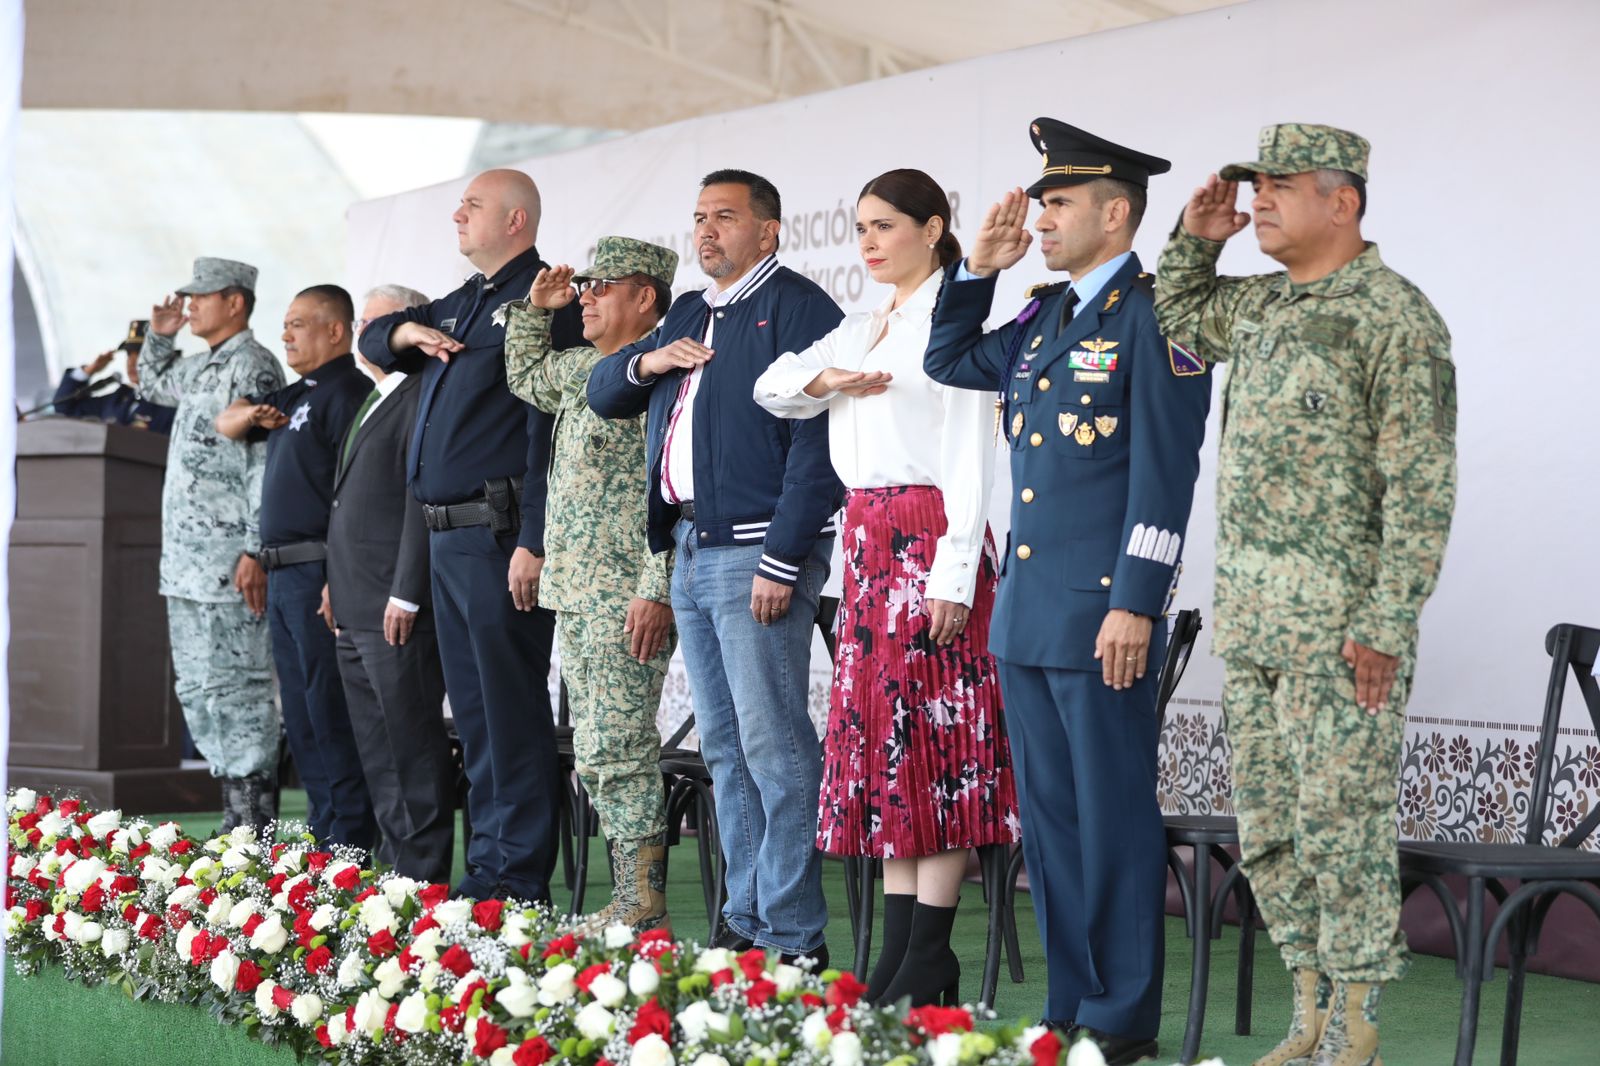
<point>458,771</point>
<point>689,795</point>
<point>1544,871</point>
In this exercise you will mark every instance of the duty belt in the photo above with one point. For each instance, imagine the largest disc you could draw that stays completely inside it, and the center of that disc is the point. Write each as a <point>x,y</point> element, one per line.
<point>502,497</point>
<point>306,551</point>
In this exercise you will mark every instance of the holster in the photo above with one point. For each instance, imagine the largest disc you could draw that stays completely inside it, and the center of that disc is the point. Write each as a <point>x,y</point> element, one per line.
<point>501,496</point>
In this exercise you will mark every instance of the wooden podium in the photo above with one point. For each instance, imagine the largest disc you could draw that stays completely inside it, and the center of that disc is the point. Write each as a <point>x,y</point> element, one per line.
<point>92,704</point>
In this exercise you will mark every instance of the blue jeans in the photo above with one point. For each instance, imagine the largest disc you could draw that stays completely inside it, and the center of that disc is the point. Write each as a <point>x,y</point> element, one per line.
<point>749,683</point>
<point>314,713</point>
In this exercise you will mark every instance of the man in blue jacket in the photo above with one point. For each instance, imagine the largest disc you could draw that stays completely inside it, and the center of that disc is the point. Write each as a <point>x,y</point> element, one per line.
<point>478,461</point>
<point>1104,420</point>
<point>747,499</point>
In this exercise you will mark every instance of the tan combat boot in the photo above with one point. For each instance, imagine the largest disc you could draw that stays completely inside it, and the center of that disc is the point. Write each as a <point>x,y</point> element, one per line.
<point>638,890</point>
<point>1350,1038</point>
<point>1310,1011</point>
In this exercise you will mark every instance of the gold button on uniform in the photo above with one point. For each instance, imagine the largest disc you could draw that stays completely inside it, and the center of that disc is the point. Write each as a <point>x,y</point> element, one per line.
<point>1105,582</point>
<point>1044,384</point>
<point>1027,495</point>
<point>1036,440</point>
<point>1086,398</point>
<point>1023,551</point>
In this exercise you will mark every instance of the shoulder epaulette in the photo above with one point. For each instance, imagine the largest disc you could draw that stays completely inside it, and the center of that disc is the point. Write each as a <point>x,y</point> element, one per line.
<point>1145,282</point>
<point>1040,291</point>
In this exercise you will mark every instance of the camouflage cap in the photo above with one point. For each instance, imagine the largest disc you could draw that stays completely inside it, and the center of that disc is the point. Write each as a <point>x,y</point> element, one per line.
<point>214,275</point>
<point>1298,148</point>
<point>618,257</point>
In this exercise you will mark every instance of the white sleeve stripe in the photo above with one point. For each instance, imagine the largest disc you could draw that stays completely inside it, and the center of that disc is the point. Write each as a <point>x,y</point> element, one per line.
<point>1155,544</point>
<point>779,566</point>
<point>779,574</point>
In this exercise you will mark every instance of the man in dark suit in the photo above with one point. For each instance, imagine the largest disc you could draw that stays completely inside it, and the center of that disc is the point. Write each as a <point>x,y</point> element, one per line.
<point>377,602</point>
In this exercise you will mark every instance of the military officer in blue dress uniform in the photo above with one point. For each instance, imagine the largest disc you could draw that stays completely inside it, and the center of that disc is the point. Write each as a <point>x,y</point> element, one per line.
<point>1104,419</point>
<point>77,398</point>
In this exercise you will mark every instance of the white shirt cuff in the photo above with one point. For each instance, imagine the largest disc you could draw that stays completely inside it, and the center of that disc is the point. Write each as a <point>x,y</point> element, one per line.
<point>78,374</point>
<point>405,605</point>
<point>954,575</point>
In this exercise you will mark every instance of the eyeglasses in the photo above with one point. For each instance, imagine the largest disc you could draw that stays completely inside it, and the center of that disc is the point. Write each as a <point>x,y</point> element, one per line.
<point>600,285</point>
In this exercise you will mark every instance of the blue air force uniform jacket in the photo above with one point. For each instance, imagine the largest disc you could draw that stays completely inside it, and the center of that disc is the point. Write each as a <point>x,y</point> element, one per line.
<point>1104,419</point>
<point>121,408</point>
<point>758,479</point>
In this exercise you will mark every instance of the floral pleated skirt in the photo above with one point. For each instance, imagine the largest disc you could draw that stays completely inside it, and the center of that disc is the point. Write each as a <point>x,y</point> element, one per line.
<point>915,761</point>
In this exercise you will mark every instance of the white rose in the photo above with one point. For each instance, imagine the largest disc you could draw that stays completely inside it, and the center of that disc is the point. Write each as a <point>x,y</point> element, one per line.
<point>413,1013</point>
<point>51,864</point>
<point>845,1050</point>
<point>714,959</point>
<point>242,835</point>
<point>514,930</point>
<point>89,932</point>
<point>52,825</point>
<point>787,977</point>
<point>224,970</point>
<point>103,823</point>
<point>307,1008</point>
<point>186,937</point>
<point>1085,1053</point>
<point>241,912</point>
<point>814,1032</point>
<point>217,913</point>
<point>398,889</point>
<point>694,1020</point>
<point>371,1009</point>
<point>350,971</point>
<point>428,976</point>
<point>618,935</point>
<point>114,942</point>
<point>459,989</point>
<point>426,945</point>
<point>183,895</point>
<point>81,874</point>
<point>24,866</point>
<point>160,871</point>
<point>270,936</point>
<point>264,1005</point>
<point>163,836</point>
<point>558,984</point>
<point>16,918</point>
<point>238,858</point>
<point>336,1029</point>
<point>71,923</point>
<point>643,978</point>
<point>502,1056</point>
<point>22,799</point>
<point>289,862</point>
<point>201,870</point>
<point>651,1050</point>
<point>452,910</point>
<point>607,990</point>
<point>323,917</point>
<point>377,914</point>
<point>594,1021</point>
<point>390,977</point>
<point>1026,1039</point>
<point>519,998</point>
<point>706,1058</point>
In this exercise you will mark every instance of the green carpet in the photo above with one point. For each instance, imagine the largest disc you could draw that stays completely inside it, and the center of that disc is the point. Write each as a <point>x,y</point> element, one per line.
<point>50,1020</point>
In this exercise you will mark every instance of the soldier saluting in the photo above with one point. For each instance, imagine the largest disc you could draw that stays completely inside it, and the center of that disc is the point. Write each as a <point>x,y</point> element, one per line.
<point>1335,487</point>
<point>1104,419</point>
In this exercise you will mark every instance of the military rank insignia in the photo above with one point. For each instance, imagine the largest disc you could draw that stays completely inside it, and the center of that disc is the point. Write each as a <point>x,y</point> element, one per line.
<point>1111,301</point>
<point>1016,425</point>
<point>1084,434</point>
<point>499,316</point>
<point>1184,363</point>
<point>1066,422</point>
<point>1106,424</point>
<point>1094,355</point>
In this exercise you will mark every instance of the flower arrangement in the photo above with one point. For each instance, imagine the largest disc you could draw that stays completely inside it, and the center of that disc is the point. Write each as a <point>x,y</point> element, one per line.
<point>314,950</point>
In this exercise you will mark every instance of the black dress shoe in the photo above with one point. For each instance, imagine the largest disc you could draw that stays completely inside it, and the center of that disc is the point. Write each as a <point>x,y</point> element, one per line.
<point>819,953</point>
<point>727,938</point>
<point>1067,1030</point>
<point>1124,1050</point>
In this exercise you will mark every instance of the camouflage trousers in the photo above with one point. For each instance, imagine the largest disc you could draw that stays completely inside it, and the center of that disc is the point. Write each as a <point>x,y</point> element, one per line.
<point>221,659</point>
<point>1314,784</point>
<point>614,699</point>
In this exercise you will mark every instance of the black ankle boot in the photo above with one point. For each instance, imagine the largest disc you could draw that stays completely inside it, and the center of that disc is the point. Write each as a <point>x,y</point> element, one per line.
<point>897,909</point>
<point>930,971</point>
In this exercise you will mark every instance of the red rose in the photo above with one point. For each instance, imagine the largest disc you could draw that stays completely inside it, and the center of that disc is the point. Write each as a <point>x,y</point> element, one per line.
<point>846,991</point>
<point>139,852</point>
<point>423,924</point>
<point>562,947</point>
<point>837,1020</point>
<point>60,925</point>
<point>753,963</point>
<point>382,943</point>
<point>759,992</point>
<point>388,1019</point>
<point>179,847</point>
<point>94,898</point>
<point>249,977</point>
<point>366,893</point>
<point>251,924</point>
<point>128,883</point>
<point>451,1018</point>
<point>937,1020</point>
<point>811,999</point>
<point>586,978</point>
<point>488,913</point>
<point>216,946</point>
<point>303,933</point>
<point>275,883</point>
<point>87,845</point>
<point>652,1018</point>
<point>1046,1050</point>
<point>197,947</point>
<point>318,960</point>
<point>526,951</point>
<point>317,861</point>
<point>722,977</point>
<point>652,943</point>
<point>433,895</point>
<point>456,960</point>
<point>150,928</point>
<point>322,1036</point>
<point>34,836</point>
<point>130,913</point>
<point>63,846</point>
<point>407,961</point>
<point>207,896</point>
<point>300,894</point>
<point>277,852</point>
<point>347,878</point>
<point>490,1038</point>
<point>70,807</point>
<point>534,1052</point>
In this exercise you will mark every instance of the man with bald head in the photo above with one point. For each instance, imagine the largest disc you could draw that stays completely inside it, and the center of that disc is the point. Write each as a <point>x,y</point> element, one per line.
<point>478,461</point>
<point>304,424</point>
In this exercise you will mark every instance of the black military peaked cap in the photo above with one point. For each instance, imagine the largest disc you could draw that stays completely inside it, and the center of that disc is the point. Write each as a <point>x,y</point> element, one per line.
<point>1073,156</point>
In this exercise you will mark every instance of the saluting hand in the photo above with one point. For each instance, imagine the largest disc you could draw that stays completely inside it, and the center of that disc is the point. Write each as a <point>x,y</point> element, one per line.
<point>850,382</point>
<point>682,353</point>
<point>1003,239</point>
<point>167,317</point>
<point>433,342</point>
<point>99,363</point>
<point>552,288</point>
<point>1211,212</point>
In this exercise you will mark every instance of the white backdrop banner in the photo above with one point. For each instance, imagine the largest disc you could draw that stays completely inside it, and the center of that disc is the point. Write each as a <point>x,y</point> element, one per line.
<point>1478,181</point>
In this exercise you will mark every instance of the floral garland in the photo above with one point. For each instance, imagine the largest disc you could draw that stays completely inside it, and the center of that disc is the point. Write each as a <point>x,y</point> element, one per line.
<point>309,948</point>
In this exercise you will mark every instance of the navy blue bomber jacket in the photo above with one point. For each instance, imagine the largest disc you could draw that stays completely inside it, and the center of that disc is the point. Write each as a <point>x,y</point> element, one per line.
<point>752,470</point>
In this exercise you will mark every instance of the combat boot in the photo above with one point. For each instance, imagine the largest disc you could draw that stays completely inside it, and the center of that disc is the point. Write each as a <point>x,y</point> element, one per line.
<point>1350,1037</point>
<point>259,804</point>
<point>1310,1011</point>
<point>235,808</point>
<point>638,890</point>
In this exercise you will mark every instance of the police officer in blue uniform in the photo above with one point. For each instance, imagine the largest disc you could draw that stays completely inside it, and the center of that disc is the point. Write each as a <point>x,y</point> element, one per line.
<point>77,397</point>
<point>1104,420</point>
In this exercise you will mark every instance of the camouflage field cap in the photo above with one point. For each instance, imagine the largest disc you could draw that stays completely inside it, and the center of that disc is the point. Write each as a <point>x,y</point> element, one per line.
<point>137,328</point>
<point>214,275</point>
<point>619,257</point>
<point>1298,148</point>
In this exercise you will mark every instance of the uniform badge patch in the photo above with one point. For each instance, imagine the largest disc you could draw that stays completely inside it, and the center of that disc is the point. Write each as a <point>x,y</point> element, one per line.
<point>1034,344</point>
<point>1084,434</point>
<point>1095,355</point>
<point>1016,424</point>
<point>1111,301</point>
<point>1314,400</point>
<point>1184,363</point>
<point>1444,396</point>
<point>447,326</point>
<point>302,415</point>
<point>1067,423</point>
<point>499,316</point>
<point>1098,377</point>
<point>1106,424</point>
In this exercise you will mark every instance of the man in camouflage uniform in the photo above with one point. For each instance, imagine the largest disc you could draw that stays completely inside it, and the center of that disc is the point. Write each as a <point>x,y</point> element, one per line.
<point>216,590</point>
<point>1335,487</point>
<point>611,595</point>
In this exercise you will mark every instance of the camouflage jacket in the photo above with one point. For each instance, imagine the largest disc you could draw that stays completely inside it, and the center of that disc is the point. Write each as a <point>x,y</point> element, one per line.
<point>1337,474</point>
<point>596,554</point>
<point>211,502</point>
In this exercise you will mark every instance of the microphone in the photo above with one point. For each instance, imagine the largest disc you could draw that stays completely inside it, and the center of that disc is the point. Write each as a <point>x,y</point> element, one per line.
<point>106,384</point>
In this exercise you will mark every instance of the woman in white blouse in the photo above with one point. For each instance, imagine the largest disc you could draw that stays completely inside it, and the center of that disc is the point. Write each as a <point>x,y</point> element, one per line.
<point>916,767</point>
